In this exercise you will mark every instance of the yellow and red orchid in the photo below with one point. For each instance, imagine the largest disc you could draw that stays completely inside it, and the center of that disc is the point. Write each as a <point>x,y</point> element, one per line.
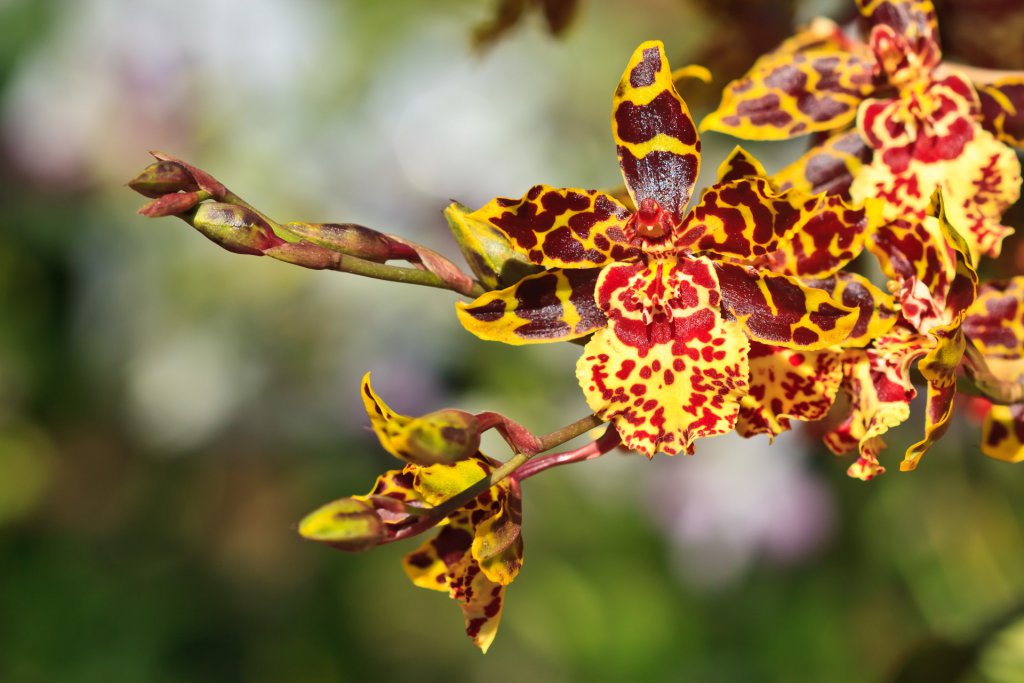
<point>929,264</point>
<point>995,326</point>
<point>920,124</point>
<point>478,549</point>
<point>673,300</point>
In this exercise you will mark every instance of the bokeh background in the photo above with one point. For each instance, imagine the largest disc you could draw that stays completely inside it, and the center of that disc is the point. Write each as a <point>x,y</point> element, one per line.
<point>168,411</point>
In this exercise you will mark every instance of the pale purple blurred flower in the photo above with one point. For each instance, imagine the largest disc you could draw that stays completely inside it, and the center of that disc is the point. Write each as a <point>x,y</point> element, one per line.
<point>739,502</point>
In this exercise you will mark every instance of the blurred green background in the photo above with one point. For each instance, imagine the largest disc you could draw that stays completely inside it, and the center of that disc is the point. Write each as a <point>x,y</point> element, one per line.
<point>168,411</point>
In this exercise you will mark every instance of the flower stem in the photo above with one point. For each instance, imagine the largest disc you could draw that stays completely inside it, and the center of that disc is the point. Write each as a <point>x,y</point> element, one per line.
<point>607,442</point>
<point>547,442</point>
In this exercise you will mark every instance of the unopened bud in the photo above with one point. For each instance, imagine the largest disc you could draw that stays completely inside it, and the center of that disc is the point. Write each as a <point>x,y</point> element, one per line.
<point>348,524</point>
<point>351,239</point>
<point>487,250</point>
<point>445,436</point>
<point>163,177</point>
<point>236,228</point>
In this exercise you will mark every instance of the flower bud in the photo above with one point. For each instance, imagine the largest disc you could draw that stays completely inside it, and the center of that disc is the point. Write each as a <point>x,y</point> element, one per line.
<point>487,250</point>
<point>444,436</point>
<point>236,228</point>
<point>348,524</point>
<point>348,238</point>
<point>163,177</point>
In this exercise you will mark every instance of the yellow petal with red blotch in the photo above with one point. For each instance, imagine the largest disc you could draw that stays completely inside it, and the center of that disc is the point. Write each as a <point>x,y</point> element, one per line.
<point>877,381</point>
<point>930,262</point>
<point>878,311</point>
<point>983,183</point>
<point>497,542</point>
<point>829,167</point>
<point>740,164</point>
<point>938,367</point>
<point>813,82</point>
<point>668,369</point>
<point>445,563</point>
<point>787,384</point>
<point>478,551</point>
<point>555,305</point>
<point>827,239</point>
<point>383,419</point>
<point>781,310</point>
<point>744,220</point>
<point>1002,434</point>
<point>995,325</point>
<point>561,227</point>
<point>656,138</point>
<point>1002,108</point>
<point>977,187</point>
<point>912,20</point>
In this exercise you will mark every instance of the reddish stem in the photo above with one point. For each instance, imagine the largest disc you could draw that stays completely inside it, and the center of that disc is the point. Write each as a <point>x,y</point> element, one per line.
<point>607,442</point>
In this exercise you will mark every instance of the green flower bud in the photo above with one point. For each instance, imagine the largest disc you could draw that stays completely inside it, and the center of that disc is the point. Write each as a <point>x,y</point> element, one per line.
<point>163,177</point>
<point>236,228</point>
<point>487,250</point>
<point>348,524</point>
<point>445,436</point>
<point>348,238</point>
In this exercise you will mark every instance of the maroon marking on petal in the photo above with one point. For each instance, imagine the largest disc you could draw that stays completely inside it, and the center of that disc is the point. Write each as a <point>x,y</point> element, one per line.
<point>451,544</point>
<point>788,79</point>
<point>997,433</point>
<point>474,625</point>
<point>663,176</point>
<point>537,301</point>
<point>644,73</point>
<point>821,108</point>
<point>489,312</point>
<point>583,282</point>
<point>420,560</point>
<point>761,111</point>
<point>805,336</point>
<point>663,114</point>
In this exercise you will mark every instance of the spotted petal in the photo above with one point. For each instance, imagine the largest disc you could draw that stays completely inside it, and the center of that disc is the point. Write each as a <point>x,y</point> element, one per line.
<point>786,384</point>
<point>1002,434</point>
<point>1002,109</point>
<point>912,21</point>
<point>555,305</point>
<point>668,369</point>
<point>658,146</point>
<point>977,187</point>
<point>829,167</point>
<point>564,227</point>
<point>877,381</point>
<point>743,220</point>
<point>782,311</point>
<point>877,314</point>
<point>811,83</point>
<point>929,126</point>
<point>449,561</point>
<point>826,239</point>
<point>995,325</point>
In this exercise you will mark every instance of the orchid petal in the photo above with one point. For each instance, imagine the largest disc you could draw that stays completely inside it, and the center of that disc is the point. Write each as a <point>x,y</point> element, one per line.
<point>658,146</point>
<point>555,305</point>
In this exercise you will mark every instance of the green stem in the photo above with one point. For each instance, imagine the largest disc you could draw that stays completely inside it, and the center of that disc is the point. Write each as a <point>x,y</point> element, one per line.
<point>358,266</point>
<point>411,276</point>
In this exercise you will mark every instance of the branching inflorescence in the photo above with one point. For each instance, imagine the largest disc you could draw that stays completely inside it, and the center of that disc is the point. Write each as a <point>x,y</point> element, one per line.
<point>741,314</point>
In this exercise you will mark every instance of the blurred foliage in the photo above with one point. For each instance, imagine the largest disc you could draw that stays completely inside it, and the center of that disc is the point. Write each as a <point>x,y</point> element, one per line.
<point>168,412</point>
